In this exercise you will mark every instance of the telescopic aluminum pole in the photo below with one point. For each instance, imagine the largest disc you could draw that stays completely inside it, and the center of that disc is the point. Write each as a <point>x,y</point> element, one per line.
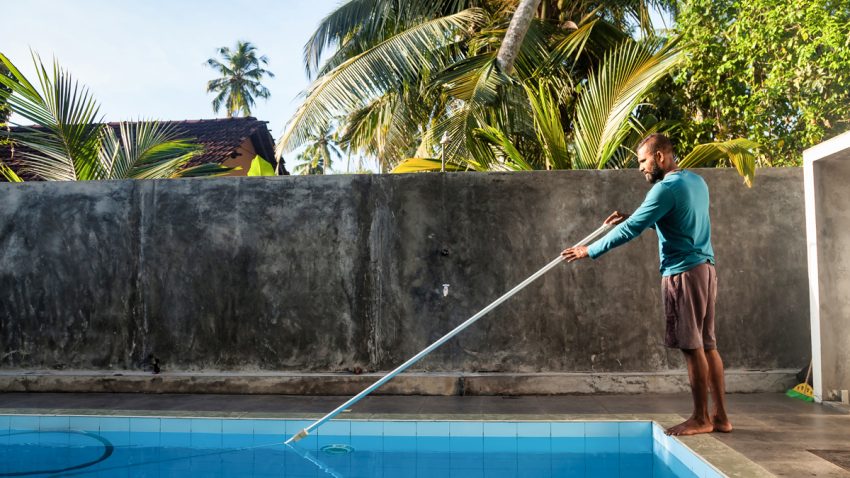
<point>303,433</point>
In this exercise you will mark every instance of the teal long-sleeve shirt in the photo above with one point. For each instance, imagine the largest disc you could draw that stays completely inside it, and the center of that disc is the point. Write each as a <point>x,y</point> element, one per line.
<point>677,207</point>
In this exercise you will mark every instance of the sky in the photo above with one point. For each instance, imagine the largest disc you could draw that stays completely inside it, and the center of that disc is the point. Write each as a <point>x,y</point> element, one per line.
<point>147,59</point>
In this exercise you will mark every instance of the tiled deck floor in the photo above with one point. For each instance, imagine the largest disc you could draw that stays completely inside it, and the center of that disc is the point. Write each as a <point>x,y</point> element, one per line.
<point>771,429</point>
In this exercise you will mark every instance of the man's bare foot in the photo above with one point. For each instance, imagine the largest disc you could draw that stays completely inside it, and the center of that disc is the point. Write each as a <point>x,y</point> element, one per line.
<point>722,425</point>
<point>691,426</point>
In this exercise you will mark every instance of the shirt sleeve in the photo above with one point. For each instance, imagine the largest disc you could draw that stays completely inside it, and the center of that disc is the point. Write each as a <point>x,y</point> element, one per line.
<point>658,202</point>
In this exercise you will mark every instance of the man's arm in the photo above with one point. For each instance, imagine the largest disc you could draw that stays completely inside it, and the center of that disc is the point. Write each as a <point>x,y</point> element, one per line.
<point>580,252</point>
<point>658,202</point>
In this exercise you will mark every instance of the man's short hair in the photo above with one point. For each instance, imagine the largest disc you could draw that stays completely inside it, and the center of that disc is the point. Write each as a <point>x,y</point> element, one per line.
<point>657,142</point>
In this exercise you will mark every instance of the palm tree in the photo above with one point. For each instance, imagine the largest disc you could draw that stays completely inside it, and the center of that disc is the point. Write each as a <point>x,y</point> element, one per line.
<point>69,143</point>
<point>241,76</point>
<point>406,73</point>
<point>520,22</point>
<point>563,88</point>
<point>318,156</point>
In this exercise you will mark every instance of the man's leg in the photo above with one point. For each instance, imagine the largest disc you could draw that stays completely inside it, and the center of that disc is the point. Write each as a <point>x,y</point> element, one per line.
<point>718,391</point>
<point>698,375</point>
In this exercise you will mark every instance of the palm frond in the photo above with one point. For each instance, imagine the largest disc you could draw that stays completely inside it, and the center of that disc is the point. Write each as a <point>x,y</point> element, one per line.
<point>369,75</point>
<point>422,165</point>
<point>64,142</point>
<point>739,152</point>
<point>8,174</point>
<point>204,170</point>
<point>503,148</point>
<point>611,95</point>
<point>550,131</point>
<point>145,150</point>
<point>361,24</point>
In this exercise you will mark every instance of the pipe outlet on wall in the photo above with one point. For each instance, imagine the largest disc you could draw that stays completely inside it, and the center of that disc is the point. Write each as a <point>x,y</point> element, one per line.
<point>445,290</point>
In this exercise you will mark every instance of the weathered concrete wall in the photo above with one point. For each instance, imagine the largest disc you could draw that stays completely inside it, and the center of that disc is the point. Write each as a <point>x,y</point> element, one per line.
<point>331,273</point>
<point>833,221</point>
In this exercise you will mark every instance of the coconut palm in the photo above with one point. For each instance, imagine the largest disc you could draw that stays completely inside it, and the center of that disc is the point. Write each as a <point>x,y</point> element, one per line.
<point>563,89</point>
<point>68,142</point>
<point>318,156</point>
<point>241,73</point>
<point>407,73</point>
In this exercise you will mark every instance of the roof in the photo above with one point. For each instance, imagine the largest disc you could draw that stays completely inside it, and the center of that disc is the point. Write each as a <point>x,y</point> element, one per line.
<point>221,139</point>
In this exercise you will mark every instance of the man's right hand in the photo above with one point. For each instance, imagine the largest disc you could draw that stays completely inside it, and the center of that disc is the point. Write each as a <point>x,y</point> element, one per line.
<point>615,218</point>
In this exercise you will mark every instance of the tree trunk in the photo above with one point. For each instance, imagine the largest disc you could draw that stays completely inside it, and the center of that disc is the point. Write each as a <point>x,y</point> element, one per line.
<point>515,34</point>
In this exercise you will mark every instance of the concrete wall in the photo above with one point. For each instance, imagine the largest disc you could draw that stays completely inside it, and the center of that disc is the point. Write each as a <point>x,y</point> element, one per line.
<point>332,273</point>
<point>828,168</point>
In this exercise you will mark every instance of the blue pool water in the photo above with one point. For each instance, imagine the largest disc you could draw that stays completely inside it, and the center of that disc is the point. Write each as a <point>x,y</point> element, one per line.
<point>162,447</point>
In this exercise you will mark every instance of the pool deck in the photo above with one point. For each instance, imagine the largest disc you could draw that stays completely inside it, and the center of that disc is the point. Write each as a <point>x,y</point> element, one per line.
<point>771,430</point>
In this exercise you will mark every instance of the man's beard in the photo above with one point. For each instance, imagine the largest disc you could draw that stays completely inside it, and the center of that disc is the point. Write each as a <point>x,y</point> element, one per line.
<point>656,175</point>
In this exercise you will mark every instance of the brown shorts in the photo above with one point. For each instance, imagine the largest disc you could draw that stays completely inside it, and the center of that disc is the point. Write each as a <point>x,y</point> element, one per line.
<point>689,308</point>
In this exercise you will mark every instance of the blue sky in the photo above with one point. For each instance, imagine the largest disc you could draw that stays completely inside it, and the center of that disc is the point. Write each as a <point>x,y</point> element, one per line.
<point>146,59</point>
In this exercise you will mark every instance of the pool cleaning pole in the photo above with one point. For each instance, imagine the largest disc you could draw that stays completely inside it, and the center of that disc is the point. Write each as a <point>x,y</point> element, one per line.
<point>303,433</point>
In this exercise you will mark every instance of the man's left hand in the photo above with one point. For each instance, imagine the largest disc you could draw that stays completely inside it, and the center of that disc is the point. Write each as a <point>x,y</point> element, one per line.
<point>574,253</point>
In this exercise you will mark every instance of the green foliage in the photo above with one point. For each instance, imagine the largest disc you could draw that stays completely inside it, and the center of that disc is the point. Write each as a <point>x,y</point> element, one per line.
<point>739,153</point>
<point>241,79</point>
<point>420,78</point>
<point>69,143</point>
<point>318,155</point>
<point>260,167</point>
<point>773,71</point>
<point>5,111</point>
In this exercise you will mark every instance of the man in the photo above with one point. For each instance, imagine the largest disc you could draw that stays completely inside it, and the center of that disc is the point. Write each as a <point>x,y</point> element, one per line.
<point>677,208</point>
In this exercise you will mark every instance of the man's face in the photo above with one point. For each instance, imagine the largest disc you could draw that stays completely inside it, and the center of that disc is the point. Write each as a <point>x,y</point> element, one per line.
<point>648,163</point>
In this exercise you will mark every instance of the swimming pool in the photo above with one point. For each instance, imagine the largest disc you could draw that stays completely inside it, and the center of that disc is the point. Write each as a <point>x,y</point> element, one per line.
<point>33,445</point>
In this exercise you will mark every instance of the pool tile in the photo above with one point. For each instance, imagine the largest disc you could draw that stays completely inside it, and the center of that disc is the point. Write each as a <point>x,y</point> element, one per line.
<point>399,429</point>
<point>237,426</point>
<point>205,433</point>
<point>636,464</point>
<point>175,425</point>
<point>534,429</point>
<point>145,425</point>
<point>537,466</point>
<point>146,439</point>
<point>335,428</point>
<point>568,429</point>
<point>433,444</point>
<point>205,425</point>
<point>367,443</point>
<point>500,444</point>
<point>533,444</point>
<point>466,429</point>
<point>237,440</point>
<point>635,445</point>
<point>569,465</point>
<point>114,424</point>
<point>433,429</point>
<point>24,422</point>
<point>602,429</point>
<point>399,443</point>
<point>564,445</point>
<point>602,468</point>
<point>601,445</point>
<point>4,429</point>
<point>274,427</point>
<point>636,430</point>
<point>89,424</point>
<point>466,444</point>
<point>54,423</point>
<point>500,429</point>
<point>367,429</point>
<point>118,438</point>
